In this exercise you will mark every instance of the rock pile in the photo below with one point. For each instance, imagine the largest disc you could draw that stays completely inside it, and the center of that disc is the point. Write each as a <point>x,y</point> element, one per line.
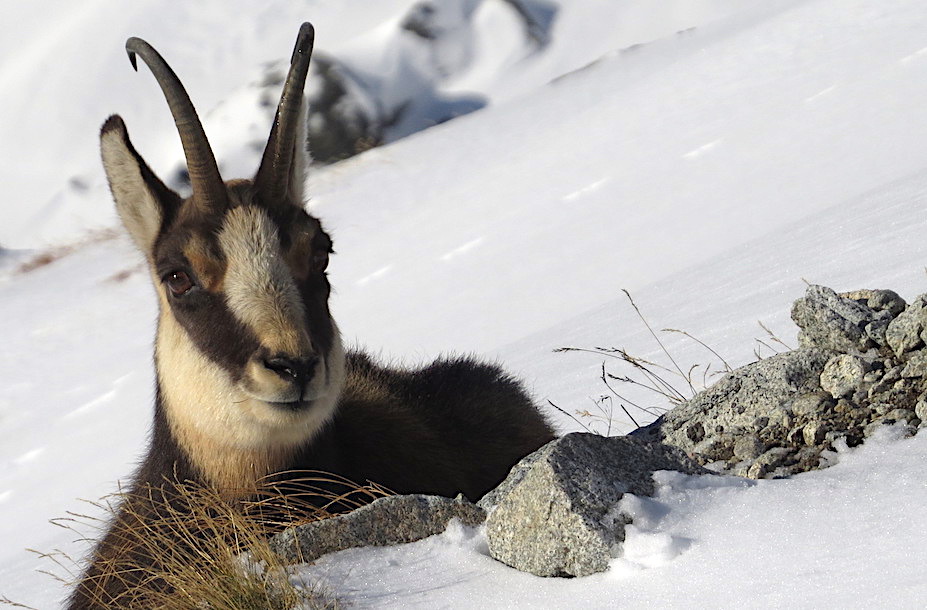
<point>862,363</point>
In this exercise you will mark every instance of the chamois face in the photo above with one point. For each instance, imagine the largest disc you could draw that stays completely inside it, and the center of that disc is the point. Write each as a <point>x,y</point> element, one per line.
<point>246,293</point>
<point>247,353</point>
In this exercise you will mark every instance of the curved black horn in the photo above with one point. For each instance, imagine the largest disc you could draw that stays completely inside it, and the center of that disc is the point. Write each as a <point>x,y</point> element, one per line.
<point>273,177</point>
<point>208,189</point>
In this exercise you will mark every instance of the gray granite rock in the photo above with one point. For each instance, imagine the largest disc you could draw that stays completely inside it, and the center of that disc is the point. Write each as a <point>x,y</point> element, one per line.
<point>748,447</point>
<point>753,399</point>
<point>885,304</point>
<point>878,300</point>
<point>814,433</point>
<point>916,365</point>
<point>808,405</point>
<point>831,321</point>
<point>386,521</point>
<point>920,411</point>
<point>766,463</point>
<point>904,333</point>
<point>862,364</point>
<point>900,417</point>
<point>877,329</point>
<point>843,375</point>
<point>556,514</point>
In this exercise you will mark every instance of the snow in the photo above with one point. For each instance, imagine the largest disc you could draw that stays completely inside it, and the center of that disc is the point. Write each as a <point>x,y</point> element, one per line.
<point>709,156</point>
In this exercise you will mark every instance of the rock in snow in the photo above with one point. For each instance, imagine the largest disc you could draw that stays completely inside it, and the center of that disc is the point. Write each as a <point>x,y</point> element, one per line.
<point>843,374</point>
<point>385,521</point>
<point>351,107</point>
<point>556,513</point>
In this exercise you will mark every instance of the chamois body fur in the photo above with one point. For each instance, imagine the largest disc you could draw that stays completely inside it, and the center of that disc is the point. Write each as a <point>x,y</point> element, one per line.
<point>252,380</point>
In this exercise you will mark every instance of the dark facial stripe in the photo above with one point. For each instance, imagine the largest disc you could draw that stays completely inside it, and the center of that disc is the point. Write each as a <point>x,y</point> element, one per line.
<point>214,330</point>
<point>314,292</point>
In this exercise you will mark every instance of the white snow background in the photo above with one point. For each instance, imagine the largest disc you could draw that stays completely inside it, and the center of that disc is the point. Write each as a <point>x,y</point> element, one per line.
<point>710,156</point>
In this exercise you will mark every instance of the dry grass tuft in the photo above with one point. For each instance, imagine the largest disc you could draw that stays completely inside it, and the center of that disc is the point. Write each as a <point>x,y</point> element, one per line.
<point>192,548</point>
<point>669,382</point>
<point>772,342</point>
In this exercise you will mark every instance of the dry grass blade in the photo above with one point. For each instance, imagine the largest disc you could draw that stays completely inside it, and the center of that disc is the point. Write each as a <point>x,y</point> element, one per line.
<point>655,411</point>
<point>198,548</point>
<point>657,382</point>
<point>650,370</point>
<point>571,416</point>
<point>604,414</point>
<point>761,343</point>
<point>707,374</point>
<point>727,366</point>
<point>657,339</point>
<point>6,601</point>
<point>294,497</point>
<point>47,257</point>
<point>773,337</point>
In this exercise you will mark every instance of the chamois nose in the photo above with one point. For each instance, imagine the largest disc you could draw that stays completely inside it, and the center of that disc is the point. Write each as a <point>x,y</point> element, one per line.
<point>299,370</point>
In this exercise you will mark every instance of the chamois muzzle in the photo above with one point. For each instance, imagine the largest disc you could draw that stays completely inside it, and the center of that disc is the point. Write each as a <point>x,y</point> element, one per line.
<point>299,370</point>
<point>280,379</point>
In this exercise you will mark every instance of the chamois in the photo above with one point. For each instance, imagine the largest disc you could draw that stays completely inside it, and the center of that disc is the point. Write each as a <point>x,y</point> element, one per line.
<point>251,376</point>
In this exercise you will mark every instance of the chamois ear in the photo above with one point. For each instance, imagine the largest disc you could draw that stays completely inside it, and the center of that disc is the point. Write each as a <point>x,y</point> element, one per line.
<point>144,203</point>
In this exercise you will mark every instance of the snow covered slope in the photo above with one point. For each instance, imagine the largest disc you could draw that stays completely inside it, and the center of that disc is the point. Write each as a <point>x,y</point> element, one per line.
<point>708,171</point>
<point>61,77</point>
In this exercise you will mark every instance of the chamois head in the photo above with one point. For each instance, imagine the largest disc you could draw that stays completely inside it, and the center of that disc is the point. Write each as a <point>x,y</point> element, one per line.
<point>247,354</point>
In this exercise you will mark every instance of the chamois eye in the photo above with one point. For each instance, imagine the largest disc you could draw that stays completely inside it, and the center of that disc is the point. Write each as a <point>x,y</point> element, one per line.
<point>179,283</point>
